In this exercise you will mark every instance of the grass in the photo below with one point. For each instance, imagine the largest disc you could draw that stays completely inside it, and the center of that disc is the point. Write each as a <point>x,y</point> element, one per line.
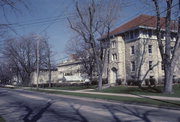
<point>147,101</point>
<point>1,119</point>
<point>74,87</point>
<point>157,91</point>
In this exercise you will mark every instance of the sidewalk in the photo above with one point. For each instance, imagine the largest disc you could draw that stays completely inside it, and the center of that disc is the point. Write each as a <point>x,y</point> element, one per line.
<point>87,91</point>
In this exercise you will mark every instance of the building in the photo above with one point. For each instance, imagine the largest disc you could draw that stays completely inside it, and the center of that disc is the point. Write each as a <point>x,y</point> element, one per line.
<point>44,76</point>
<point>134,50</point>
<point>70,71</point>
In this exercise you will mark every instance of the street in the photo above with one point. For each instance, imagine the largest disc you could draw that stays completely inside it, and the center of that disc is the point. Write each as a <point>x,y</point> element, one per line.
<point>30,106</point>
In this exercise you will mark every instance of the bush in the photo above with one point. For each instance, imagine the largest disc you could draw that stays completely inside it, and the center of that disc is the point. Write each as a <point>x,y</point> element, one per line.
<point>119,81</point>
<point>104,81</point>
<point>152,81</point>
<point>177,80</point>
<point>129,82</point>
<point>132,82</point>
<point>94,82</point>
<point>147,82</point>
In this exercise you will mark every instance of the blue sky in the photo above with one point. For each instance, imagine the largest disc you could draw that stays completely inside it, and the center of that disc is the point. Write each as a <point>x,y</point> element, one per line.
<point>55,12</point>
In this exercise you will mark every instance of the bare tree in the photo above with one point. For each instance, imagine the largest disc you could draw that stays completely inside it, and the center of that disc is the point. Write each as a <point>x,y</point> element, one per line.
<point>141,53</point>
<point>21,52</point>
<point>47,61</point>
<point>168,60</point>
<point>5,70</point>
<point>93,19</point>
<point>83,53</point>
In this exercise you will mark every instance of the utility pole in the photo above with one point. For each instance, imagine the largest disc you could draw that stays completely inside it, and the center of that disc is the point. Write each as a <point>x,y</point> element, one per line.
<point>37,70</point>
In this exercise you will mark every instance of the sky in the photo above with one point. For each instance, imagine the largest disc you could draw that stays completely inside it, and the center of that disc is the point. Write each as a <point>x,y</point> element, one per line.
<point>50,17</point>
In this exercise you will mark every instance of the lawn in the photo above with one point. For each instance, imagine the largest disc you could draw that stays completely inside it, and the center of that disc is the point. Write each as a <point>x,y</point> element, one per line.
<point>146,101</point>
<point>74,87</point>
<point>143,91</point>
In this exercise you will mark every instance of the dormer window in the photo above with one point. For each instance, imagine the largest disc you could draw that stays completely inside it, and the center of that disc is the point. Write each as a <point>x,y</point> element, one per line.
<point>131,35</point>
<point>145,32</point>
<point>136,33</point>
<point>126,36</point>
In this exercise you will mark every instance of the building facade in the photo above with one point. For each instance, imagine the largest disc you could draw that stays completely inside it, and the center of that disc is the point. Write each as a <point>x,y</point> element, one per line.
<point>134,51</point>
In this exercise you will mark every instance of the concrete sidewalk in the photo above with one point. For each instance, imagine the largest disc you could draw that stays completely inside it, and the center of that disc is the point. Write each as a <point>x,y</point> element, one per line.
<point>87,91</point>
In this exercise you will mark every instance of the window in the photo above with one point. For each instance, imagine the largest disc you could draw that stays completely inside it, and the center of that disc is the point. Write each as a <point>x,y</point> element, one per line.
<point>131,35</point>
<point>113,44</point>
<point>136,33</point>
<point>127,36</point>
<point>150,65</point>
<point>132,50</point>
<point>150,33</point>
<point>114,57</point>
<point>150,48</point>
<point>68,74</point>
<point>132,66</point>
<point>145,32</point>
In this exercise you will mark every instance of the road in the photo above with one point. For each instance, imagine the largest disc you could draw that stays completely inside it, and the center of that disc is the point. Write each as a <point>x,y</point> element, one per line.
<point>29,106</point>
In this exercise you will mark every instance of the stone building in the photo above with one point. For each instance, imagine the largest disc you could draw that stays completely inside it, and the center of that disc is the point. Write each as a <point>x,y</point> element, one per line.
<point>134,50</point>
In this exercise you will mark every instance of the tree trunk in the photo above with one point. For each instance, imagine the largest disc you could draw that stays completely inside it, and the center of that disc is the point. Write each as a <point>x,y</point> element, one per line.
<point>168,80</point>
<point>49,68</point>
<point>100,82</point>
<point>50,78</point>
<point>168,69</point>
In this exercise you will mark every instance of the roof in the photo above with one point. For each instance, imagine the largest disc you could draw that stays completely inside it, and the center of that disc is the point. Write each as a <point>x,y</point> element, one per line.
<point>142,20</point>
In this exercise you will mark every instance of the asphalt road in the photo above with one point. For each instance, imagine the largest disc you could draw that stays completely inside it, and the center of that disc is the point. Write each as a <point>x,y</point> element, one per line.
<point>27,106</point>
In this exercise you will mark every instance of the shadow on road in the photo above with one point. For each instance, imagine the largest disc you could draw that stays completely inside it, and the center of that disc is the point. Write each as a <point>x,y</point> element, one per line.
<point>134,113</point>
<point>36,116</point>
<point>77,112</point>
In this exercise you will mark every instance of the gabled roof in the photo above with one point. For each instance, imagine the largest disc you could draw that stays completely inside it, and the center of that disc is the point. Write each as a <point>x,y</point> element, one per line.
<point>142,20</point>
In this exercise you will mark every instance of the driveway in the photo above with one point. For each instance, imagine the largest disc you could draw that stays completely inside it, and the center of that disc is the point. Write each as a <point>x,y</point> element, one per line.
<point>29,106</point>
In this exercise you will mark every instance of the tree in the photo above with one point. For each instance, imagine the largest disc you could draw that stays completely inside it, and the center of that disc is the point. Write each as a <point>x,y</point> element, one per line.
<point>93,20</point>
<point>21,54</point>
<point>5,72</point>
<point>48,58</point>
<point>169,59</point>
<point>83,53</point>
<point>6,5</point>
<point>141,60</point>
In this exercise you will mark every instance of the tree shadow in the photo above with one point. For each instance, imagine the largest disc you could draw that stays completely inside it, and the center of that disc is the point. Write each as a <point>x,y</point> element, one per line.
<point>111,111</point>
<point>26,117</point>
<point>132,90</point>
<point>163,101</point>
<point>83,119</point>
<point>36,116</point>
<point>128,111</point>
